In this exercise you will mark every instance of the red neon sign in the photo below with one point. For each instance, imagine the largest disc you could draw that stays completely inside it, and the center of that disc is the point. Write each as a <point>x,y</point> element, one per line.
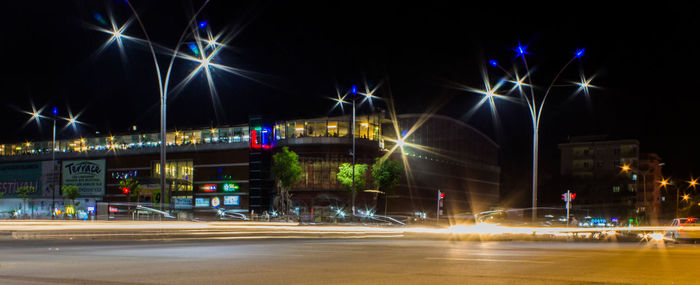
<point>208,187</point>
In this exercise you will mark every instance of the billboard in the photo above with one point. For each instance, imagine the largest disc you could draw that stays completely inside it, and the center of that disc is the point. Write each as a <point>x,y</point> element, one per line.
<point>36,174</point>
<point>87,175</point>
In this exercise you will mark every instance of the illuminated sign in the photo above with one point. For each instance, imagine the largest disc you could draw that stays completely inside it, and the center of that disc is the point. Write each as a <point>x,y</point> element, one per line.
<point>598,221</point>
<point>70,210</point>
<point>230,187</point>
<point>201,202</point>
<point>261,137</point>
<point>91,209</point>
<point>208,187</point>
<point>113,209</point>
<point>231,200</point>
<point>215,202</point>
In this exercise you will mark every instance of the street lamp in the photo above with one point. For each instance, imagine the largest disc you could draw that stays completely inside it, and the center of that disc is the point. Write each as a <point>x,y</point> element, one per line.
<point>627,168</point>
<point>666,182</point>
<point>204,54</point>
<point>72,121</point>
<point>368,95</point>
<point>534,104</point>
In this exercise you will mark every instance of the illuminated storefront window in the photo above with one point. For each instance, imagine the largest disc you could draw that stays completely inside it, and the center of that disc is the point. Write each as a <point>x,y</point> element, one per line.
<point>179,171</point>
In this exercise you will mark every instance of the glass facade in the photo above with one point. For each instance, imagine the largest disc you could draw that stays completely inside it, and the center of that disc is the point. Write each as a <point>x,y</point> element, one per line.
<point>366,127</point>
<point>180,172</point>
<point>131,141</point>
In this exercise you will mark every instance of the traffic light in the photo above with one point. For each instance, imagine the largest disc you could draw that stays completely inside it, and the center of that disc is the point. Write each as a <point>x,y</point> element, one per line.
<point>125,190</point>
<point>441,196</point>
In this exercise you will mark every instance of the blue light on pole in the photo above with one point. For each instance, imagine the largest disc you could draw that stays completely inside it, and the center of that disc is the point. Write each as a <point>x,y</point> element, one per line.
<point>521,50</point>
<point>579,52</point>
<point>202,24</point>
<point>493,62</point>
<point>354,89</point>
<point>54,111</point>
<point>193,48</point>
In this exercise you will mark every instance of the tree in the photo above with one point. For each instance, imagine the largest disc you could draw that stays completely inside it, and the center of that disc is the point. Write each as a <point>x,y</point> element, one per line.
<point>71,192</point>
<point>386,174</point>
<point>286,170</point>
<point>23,192</point>
<point>345,176</point>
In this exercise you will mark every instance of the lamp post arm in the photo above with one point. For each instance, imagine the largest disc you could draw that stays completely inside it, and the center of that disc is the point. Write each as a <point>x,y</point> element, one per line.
<point>546,93</point>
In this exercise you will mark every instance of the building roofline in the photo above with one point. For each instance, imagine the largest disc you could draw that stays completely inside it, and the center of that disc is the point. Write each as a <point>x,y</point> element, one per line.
<point>447,118</point>
<point>606,142</point>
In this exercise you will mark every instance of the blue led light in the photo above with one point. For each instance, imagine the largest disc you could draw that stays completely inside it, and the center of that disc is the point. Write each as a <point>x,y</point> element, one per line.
<point>354,89</point>
<point>520,49</point>
<point>193,48</point>
<point>202,24</point>
<point>99,18</point>
<point>579,52</point>
<point>493,62</point>
<point>54,111</point>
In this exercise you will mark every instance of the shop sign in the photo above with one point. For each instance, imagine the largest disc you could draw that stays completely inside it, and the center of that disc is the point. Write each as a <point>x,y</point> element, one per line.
<point>15,175</point>
<point>215,202</point>
<point>231,200</point>
<point>113,209</point>
<point>201,202</point>
<point>87,175</point>
<point>208,187</point>
<point>230,187</point>
<point>182,202</point>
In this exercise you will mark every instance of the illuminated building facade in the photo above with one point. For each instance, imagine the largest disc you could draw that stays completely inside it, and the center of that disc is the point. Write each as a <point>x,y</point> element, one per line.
<point>229,167</point>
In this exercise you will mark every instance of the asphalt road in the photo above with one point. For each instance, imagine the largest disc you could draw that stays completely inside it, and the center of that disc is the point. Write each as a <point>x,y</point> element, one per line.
<point>344,261</point>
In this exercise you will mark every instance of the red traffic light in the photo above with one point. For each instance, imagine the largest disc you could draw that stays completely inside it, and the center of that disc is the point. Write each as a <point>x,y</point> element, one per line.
<point>573,196</point>
<point>442,195</point>
<point>125,190</point>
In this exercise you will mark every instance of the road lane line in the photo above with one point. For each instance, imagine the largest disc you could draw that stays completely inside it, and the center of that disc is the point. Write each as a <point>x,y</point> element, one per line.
<point>486,259</point>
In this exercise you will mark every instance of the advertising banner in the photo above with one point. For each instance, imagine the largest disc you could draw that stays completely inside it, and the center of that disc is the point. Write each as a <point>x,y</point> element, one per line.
<point>87,175</point>
<point>15,175</point>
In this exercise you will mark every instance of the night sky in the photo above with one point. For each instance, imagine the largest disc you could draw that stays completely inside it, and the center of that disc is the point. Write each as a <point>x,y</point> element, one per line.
<point>645,60</point>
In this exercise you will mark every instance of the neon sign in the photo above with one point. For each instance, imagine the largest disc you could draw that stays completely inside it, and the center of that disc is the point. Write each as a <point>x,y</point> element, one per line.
<point>208,187</point>
<point>261,137</point>
<point>201,202</point>
<point>230,187</point>
<point>215,202</point>
<point>232,200</point>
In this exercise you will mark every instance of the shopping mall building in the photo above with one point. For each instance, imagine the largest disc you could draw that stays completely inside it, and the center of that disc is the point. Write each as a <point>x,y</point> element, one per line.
<point>229,167</point>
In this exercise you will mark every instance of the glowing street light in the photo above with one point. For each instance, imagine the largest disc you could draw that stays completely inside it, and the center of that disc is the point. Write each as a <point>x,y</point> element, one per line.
<point>72,121</point>
<point>534,103</point>
<point>626,168</point>
<point>204,56</point>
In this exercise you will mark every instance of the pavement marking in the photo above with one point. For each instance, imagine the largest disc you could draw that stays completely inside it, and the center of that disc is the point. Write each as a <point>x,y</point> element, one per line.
<point>486,259</point>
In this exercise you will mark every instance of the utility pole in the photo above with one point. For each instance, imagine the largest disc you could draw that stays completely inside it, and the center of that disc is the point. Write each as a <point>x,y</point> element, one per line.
<point>354,92</point>
<point>53,165</point>
<point>440,196</point>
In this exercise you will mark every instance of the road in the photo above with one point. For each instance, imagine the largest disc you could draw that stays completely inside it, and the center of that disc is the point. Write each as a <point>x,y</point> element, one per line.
<point>344,261</point>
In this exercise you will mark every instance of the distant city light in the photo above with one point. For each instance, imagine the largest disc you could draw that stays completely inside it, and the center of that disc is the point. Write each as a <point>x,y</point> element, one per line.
<point>493,62</point>
<point>579,52</point>
<point>202,24</point>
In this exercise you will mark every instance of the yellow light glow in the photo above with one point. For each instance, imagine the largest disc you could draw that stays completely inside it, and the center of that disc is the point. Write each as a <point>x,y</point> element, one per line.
<point>663,182</point>
<point>686,197</point>
<point>625,168</point>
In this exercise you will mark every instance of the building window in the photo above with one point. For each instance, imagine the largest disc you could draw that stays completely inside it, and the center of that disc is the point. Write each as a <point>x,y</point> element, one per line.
<point>616,189</point>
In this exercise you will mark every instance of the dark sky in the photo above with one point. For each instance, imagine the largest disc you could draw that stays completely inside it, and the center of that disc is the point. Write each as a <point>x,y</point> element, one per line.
<point>645,60</point>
